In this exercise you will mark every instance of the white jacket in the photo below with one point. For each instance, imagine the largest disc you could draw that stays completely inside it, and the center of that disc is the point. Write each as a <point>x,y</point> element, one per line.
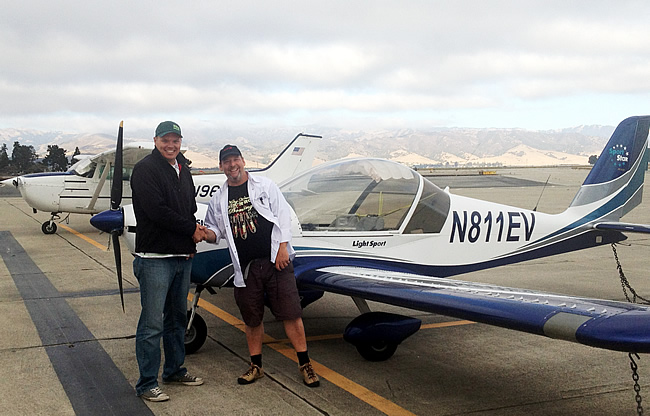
<point>269,202</point>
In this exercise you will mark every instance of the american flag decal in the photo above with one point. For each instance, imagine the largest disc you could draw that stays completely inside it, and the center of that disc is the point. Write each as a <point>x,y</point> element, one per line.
<point>298,151</point>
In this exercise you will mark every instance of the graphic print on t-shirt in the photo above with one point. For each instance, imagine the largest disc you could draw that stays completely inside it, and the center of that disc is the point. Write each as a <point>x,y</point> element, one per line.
<point>243,218</point>
<point>251,231</point>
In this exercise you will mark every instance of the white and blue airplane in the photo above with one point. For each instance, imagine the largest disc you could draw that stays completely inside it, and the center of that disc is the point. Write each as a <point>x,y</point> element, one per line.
<point>376,230</point>
<point>85,188</point>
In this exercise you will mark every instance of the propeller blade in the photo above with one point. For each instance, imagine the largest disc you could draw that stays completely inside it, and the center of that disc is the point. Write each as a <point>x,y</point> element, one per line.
<point>118,263</point>
<point>116,188</point>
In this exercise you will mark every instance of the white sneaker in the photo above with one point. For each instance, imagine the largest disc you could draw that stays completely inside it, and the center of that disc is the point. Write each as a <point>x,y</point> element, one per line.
<point>186,380</point>
<point>155,395</point>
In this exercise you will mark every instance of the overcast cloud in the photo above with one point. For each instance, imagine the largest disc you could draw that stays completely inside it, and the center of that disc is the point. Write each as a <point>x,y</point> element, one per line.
<point>82,66</point>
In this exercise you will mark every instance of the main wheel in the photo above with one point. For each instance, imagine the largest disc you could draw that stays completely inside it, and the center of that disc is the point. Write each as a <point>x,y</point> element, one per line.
<point>196,335</point>
<point>48,227</point>
<point>379,351</point>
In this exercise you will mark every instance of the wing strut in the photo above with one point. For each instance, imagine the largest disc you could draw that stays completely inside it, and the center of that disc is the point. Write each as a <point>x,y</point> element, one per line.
<point>98,187</point>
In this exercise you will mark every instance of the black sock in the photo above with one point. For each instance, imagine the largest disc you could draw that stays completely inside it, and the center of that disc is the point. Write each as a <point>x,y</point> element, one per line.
<point>303,357</point>
<point>257,360</point>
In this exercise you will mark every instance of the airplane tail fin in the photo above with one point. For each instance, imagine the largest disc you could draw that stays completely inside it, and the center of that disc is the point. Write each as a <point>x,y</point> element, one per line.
<point>296,157</point>
<point>615,183</point>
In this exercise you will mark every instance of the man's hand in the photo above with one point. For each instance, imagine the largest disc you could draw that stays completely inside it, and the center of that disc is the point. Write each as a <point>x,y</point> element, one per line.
<point>210,236</point>
<point>282,259</point>
<point>200,233</point>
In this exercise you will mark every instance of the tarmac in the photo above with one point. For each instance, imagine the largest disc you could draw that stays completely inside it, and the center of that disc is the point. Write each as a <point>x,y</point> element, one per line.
<point>67,348</point>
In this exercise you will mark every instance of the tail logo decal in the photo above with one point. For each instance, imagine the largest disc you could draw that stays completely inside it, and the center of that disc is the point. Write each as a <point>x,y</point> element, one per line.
<point>619,156</point>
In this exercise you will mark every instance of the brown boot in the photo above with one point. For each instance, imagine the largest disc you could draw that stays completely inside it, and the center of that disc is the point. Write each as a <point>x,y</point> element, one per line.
<point>253,373</point>
<point>309,377</point>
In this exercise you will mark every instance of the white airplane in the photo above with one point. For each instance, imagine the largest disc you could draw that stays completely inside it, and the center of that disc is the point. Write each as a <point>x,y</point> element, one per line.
<point>376,230</point>
<point>85,189</point>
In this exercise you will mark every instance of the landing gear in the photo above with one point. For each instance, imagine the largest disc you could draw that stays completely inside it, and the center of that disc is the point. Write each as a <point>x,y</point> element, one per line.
<point>48,227</point>
<point>378,351</point>
<point>196,334</point>
<point>376,335</point>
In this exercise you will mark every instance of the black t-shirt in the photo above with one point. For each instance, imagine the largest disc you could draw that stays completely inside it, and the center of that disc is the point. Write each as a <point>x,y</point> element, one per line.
<point>251,231</point>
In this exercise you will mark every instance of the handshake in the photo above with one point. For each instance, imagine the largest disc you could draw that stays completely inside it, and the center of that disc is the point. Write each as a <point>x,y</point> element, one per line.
<point>203,233</point>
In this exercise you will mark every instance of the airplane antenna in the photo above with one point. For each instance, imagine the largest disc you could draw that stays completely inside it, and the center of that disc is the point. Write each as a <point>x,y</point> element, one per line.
<point>541,193</point>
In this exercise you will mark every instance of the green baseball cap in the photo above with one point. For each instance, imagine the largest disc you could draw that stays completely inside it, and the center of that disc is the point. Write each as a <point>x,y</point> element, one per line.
<point>167,127</point>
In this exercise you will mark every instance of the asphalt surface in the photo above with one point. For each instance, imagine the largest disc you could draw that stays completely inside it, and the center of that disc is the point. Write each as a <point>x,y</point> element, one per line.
<point>8,191</point>
<point>67,348</point>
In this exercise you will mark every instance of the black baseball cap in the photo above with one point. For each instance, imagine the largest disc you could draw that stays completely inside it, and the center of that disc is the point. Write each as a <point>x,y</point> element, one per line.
<point>228,150</point>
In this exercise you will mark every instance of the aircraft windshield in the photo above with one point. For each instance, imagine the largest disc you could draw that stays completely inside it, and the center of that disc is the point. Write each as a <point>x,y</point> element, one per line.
<point>84,167</point>
<point>356,194</point>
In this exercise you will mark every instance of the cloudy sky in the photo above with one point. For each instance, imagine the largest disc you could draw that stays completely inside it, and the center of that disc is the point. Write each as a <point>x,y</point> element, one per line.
<point>82,66</point>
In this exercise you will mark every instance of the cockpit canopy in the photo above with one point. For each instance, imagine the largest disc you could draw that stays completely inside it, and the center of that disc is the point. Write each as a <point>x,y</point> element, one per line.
<point>366,195</point>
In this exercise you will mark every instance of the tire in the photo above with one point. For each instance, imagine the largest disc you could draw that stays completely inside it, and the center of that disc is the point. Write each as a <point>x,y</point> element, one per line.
<point>379,351</point>
<point>48,227</point>
<point>197,334</point>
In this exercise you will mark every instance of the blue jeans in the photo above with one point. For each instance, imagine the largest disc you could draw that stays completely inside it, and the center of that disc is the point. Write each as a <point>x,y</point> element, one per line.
<point>164,284</point>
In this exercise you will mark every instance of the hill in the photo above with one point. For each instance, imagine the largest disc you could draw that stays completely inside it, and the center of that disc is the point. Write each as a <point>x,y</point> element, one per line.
<point>439,147</point>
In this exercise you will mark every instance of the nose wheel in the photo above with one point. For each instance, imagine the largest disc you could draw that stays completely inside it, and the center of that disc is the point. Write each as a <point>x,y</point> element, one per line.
<point>196,334</point>
<point>48,227</point>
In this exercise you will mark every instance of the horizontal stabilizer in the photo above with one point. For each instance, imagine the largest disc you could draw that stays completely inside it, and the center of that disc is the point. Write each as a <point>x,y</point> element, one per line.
<point>623,227</point>
<point>598,323</point>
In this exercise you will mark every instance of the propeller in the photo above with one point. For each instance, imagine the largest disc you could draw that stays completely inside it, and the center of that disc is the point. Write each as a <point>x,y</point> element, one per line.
<point>112,221</point>
<point>116,189</point>
<point>116,200</point>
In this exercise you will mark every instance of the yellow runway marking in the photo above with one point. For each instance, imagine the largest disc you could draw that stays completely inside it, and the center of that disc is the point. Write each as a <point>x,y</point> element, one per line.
<point>446,324</point>
<point>83,237</point>
<point>357,390</point>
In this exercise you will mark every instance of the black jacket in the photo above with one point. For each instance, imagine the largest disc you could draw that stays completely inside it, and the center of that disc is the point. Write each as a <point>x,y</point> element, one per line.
<point>164,206</point>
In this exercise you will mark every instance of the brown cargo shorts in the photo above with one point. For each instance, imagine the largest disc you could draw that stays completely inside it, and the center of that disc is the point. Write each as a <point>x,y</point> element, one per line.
<point>280,289</point>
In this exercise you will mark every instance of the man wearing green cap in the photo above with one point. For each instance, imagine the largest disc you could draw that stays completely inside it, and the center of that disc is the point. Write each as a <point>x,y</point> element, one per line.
<point>165,243</point>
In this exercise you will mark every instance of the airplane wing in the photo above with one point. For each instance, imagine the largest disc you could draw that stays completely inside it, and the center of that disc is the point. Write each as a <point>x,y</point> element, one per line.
<point>132,153</point>
<point>598,323</point>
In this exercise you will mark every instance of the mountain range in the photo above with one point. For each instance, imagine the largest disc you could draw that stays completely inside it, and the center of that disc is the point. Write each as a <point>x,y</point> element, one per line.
<point>436,146</point>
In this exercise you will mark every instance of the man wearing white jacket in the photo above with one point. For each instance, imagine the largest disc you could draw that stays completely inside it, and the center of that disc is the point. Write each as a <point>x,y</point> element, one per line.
<point>251,213</point>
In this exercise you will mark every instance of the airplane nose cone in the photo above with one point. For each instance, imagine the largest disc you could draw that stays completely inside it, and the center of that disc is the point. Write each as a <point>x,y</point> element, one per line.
<point>108,221</point>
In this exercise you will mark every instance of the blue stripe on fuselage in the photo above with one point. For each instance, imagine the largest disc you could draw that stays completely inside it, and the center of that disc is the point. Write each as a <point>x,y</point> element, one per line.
<point>305,261</point>
<point>42,174</point>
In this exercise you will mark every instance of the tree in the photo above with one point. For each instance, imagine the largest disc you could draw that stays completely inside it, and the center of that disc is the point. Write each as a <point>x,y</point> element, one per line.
<point>55,159</point>
<point>4,157</point>
<point>593,159</point>
<point>76,153</point>
<point>22,157</point>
